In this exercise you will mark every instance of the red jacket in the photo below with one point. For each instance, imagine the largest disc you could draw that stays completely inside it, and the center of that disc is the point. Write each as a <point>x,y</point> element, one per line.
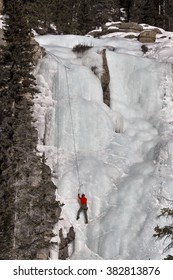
<point>83,200</point>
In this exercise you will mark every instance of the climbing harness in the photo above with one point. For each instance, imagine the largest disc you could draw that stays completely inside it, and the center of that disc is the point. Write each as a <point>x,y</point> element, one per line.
<point>71,117</point>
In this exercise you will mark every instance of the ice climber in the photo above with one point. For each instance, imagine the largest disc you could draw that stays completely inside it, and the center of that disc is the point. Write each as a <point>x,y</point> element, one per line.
<point>83,207</point>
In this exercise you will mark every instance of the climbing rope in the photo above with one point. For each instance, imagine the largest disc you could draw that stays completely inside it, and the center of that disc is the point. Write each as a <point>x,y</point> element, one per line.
<point>58,59</point>
<point>73,132</point>
<point>71,116</point>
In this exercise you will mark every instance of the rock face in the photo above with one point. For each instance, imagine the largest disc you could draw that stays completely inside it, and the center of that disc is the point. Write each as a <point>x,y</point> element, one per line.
<point>147,36</point>
<point>64,242</point>
<point>105,79</point>
<point>38,51</point>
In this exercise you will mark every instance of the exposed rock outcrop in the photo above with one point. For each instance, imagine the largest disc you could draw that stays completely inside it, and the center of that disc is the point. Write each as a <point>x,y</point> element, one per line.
<point>138,31</point>
<point>117,27</point>
<point>64,243</point>
<point>129,27</point>
<point>105,80</point>
<point>147,36</point>
<point>38,52</point>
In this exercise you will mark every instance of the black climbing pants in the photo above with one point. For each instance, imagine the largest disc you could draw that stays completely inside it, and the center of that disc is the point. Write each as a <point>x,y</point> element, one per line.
<point>83,208</point>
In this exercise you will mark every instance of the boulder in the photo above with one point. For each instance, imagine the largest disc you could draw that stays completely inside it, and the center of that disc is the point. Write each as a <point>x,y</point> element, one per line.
<point>147,36</point>
<point>131,27</point>
<point>148,27</point>
<point>124,27</point>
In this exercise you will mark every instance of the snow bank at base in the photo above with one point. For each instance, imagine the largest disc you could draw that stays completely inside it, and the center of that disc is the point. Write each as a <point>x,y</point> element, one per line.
<point>119,171</point>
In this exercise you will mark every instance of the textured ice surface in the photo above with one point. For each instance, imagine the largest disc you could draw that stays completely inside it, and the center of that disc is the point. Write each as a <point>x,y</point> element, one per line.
<point>124,175</point>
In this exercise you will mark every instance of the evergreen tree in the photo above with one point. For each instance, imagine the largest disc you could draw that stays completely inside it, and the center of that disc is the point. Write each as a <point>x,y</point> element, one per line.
<point>166,231</point>
<point>126,4</point>
<point>18,52</point>
<point>85,16</point>
<point>149,13</point>
<point>25,219</point>
<point>154,12</point>
<point>136,11</point>
<point>169,15</point>
<point>65,16</point>
<point>40,14</point>
<point>15,81</point>
<point>105,11</point>
<point>62,13</point>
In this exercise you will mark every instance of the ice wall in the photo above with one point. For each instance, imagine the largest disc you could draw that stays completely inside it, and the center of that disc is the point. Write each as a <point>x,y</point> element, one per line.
<point>118,171</point>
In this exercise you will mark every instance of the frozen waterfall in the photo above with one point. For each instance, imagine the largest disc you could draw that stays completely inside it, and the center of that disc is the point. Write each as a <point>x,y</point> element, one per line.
<point>122,174</point>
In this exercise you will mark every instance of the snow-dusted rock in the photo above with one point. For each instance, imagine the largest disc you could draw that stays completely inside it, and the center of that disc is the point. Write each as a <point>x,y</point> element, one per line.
<point>147,36</point>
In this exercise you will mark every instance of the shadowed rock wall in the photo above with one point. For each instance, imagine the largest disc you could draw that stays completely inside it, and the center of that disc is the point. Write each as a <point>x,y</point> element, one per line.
<point>105,80</point>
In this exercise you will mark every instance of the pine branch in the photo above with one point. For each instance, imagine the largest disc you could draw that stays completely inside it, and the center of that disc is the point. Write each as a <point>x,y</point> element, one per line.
<point>166,231</point>
<point>166,212</point>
